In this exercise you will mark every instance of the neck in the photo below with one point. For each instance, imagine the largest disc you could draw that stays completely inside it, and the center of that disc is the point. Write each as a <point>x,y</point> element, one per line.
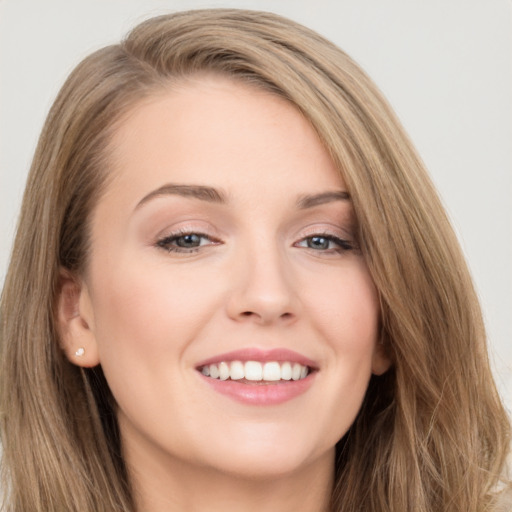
<point>181,486</point>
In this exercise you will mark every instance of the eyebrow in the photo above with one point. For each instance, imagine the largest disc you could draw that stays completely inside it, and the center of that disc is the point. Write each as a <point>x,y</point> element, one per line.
<point>200,192</point>
<point>212,195</point>
<point>309,201</point>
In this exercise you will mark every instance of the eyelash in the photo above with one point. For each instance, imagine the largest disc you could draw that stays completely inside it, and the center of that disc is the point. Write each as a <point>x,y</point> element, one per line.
<point>166,243</point>
<point>342,244</point>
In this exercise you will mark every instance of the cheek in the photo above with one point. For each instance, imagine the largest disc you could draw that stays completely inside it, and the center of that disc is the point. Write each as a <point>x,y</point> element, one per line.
<point>346,310</point>
<point>144,311</point>
<point>146,318</point>
<point>355,329</point>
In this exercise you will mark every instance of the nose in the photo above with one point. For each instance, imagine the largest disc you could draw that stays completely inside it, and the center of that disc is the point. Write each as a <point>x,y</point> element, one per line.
<point>262,290</point>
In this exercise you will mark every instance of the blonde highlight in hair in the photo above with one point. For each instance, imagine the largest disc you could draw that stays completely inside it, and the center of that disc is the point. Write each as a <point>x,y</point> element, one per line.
<point>432,434</point>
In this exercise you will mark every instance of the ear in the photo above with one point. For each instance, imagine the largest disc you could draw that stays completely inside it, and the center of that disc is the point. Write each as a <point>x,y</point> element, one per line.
<point>75,321</point>
<point>381,361</point>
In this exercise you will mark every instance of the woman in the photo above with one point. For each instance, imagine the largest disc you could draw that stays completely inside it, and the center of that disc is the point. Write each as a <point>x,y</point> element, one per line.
<point>233,286</point>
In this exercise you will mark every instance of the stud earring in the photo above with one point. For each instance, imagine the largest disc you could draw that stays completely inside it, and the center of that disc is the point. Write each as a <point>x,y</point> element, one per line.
<point>80,352</point>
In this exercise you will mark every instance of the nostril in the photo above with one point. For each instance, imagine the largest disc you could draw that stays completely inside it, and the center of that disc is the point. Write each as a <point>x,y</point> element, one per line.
<point>248,314</point>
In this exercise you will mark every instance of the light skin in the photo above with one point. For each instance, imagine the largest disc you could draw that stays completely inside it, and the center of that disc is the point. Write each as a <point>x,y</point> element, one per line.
<point>226,226</point>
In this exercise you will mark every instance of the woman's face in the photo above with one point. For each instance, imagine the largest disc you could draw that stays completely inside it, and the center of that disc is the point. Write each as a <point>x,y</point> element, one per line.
<point>225,244</point>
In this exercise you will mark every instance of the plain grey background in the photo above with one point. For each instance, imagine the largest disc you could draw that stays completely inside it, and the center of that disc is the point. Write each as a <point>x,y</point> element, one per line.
<point>445,66</point>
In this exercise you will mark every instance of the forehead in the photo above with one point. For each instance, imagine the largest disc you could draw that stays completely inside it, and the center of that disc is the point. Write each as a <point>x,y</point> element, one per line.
<point>218,132</point>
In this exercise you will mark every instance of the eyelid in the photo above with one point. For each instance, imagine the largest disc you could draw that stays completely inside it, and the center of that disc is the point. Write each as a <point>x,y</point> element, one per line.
<point>165,242</point>
<point>185,227</point>
<point>344,239</point>
<point>326,229</point>
<point>342,244</point>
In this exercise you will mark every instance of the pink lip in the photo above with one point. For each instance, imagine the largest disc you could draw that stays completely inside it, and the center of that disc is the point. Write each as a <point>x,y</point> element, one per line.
<point>257,354</point>
<point>254,393</point>
<point>260,394</point>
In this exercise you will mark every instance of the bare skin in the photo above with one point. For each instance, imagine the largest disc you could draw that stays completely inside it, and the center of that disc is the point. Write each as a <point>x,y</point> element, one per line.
<point>307,491</point>
<point>226,227</point>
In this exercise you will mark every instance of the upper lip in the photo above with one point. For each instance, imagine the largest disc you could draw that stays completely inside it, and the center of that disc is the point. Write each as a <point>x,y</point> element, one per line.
<point>262,355</point>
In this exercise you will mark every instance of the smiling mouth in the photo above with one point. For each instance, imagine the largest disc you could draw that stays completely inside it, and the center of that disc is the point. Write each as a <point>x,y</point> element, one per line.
<point>256,372</point>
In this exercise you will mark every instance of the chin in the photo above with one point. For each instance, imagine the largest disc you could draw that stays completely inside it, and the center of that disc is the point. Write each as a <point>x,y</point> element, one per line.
<point>269,465</point>
<point>263,456</point>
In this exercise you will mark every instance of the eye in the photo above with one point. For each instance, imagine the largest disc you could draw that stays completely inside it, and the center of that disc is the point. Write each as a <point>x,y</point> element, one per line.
<point>325,243</point>
<point>185,242</point>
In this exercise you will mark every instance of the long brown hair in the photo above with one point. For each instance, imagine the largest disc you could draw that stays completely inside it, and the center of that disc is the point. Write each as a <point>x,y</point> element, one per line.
<point>431,435</point>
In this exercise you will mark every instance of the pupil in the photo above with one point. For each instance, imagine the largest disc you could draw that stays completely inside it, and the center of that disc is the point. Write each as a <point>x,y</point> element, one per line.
<point>318,242</point>
<point>188,241</point>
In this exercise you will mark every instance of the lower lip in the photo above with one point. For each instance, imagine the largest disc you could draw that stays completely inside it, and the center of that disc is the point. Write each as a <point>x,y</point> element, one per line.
<point>271,393</point>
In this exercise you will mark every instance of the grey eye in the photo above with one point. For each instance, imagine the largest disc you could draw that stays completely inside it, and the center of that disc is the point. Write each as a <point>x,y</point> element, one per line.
<point>185,242</point>
<point>325,243</point>
<point>188,241</point>
<point>318,242</point>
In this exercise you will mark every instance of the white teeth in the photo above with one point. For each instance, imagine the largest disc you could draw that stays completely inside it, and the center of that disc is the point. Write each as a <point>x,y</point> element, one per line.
<point>253,370</point>
<point>237,370</point>
<point>223,371</point>
<point>271,371</point>
<point>286,371</point>
<point>296,371</point>
<point>214,371</point>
